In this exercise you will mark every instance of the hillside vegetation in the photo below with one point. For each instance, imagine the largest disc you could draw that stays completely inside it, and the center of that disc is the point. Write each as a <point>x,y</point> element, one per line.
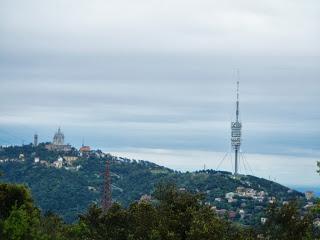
<point>173,214</point>
<point>69,191</point>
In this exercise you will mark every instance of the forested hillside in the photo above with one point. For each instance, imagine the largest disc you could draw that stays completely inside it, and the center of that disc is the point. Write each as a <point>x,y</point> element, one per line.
<point>70,189</point>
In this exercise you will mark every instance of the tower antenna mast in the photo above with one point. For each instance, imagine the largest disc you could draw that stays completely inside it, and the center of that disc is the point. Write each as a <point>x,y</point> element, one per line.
<point>237,112</point>
<point>236,132</point>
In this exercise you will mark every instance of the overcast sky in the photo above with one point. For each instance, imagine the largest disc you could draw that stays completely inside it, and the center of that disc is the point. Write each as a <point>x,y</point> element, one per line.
<point>161,75</point>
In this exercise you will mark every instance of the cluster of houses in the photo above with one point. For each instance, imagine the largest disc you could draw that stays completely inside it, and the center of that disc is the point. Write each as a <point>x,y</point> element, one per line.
<point>242,192</point>
<point>241,195</point>
<point>21,158</point>
<point>63,161</point>
<point>68,161</point>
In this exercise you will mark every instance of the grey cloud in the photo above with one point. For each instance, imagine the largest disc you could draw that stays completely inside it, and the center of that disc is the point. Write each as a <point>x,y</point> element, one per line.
<point>264,27</point>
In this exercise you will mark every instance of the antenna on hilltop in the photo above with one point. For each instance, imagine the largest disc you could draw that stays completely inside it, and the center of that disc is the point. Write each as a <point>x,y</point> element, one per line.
<point>236,127</point>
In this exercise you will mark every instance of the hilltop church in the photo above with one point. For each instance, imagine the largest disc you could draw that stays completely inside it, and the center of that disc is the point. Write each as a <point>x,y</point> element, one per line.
<point>58,143</point>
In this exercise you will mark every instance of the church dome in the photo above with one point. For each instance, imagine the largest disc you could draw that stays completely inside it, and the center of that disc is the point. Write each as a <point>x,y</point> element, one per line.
<point>58,138</point>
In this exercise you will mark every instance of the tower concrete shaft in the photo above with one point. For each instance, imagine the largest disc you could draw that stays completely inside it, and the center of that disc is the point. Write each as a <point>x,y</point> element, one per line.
<point>107,189</point>
<point>235,162</point>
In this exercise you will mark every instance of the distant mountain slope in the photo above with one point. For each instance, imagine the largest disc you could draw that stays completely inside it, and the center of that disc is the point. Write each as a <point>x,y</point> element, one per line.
<point>68,192</point>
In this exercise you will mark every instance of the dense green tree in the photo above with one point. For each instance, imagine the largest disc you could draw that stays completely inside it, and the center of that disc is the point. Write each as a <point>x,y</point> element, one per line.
<point>112,225</point>
<point>144,220</point>
<point>23,224</point>
<point>176,209</point>
<point>286,223</point>
<point>11,196</point>
<point>206,225</point>
<point>19,218</point>
<point>53,226</point>
<point>16,225</point>
<point>89,226</point>
<point>116,223</point>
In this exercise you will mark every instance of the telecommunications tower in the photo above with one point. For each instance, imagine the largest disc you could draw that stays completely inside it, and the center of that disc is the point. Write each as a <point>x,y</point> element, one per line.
<point>107,194</point>
<point>236,134</point>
